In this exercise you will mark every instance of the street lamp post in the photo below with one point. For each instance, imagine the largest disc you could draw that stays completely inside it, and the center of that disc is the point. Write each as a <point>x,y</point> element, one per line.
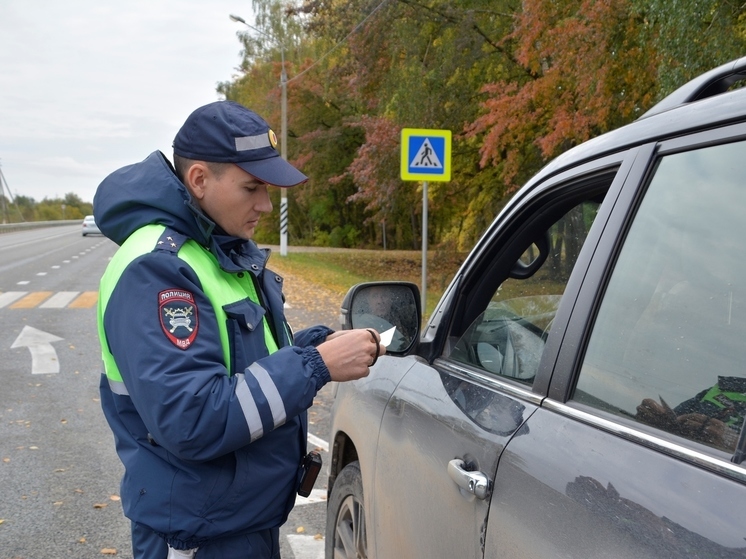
<point>283,133</point>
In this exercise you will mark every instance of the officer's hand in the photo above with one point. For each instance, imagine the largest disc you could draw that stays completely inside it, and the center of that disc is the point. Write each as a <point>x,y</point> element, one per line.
<point>337,334</point>
<point>350,355</point>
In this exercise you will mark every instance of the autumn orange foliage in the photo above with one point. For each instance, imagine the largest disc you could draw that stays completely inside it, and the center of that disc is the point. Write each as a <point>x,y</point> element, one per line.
<point>583,74</point>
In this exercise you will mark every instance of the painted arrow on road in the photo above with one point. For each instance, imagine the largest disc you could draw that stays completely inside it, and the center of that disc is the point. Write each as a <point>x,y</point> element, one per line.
<point>43,356</point>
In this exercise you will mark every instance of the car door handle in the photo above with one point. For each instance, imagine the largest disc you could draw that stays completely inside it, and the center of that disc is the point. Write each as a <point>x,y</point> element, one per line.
<point>475,483</point>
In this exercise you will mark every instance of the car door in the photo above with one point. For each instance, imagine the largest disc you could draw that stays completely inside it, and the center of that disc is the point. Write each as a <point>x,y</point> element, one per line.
<point>635,451</point>
<point>446,424</point>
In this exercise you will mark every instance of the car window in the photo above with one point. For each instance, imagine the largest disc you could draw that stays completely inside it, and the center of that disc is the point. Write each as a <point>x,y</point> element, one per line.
<point>507,338</point>
<point>668,346</point>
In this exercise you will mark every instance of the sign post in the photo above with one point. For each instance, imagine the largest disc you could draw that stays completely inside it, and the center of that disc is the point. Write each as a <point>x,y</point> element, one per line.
<point>425,156</point>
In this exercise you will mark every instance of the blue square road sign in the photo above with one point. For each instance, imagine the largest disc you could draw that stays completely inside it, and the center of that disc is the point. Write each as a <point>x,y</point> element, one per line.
<point>426,155</point>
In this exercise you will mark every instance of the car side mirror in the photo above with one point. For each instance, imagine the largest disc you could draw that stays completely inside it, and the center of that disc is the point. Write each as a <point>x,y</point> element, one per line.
<point>390,308</point>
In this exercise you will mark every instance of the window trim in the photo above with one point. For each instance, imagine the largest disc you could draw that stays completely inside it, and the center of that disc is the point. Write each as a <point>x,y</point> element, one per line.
<point>473,374</point>
<point>687,452</point>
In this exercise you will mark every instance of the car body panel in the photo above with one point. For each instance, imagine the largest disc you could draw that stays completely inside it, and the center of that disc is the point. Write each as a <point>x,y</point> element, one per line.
<point>453,417</point>
<point>360,405</point>
<point>606,496</point>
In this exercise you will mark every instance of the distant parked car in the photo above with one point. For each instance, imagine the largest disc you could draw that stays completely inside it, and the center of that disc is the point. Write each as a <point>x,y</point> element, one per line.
<point>90,227</point>
<point>580,389</point>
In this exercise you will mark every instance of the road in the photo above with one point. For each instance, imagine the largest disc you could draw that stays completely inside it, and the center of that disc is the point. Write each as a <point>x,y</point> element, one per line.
<point>59,473</point>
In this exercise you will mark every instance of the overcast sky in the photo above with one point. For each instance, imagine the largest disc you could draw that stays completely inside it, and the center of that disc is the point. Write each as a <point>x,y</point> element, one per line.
<point>88,86</point>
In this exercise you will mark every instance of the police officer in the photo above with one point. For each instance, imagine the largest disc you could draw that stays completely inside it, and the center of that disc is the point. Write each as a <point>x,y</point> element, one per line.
<point>205,387</point>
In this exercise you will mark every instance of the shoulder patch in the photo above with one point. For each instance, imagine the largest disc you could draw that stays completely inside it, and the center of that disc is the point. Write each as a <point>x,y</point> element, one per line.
<point>179,317</point>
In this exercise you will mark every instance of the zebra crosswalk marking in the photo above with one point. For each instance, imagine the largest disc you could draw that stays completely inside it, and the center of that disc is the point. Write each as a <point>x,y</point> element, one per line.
<point>8,297</point>
<point>48,299</point>
<point>31,300</point>
<point>86,300</point>
<point>59,300</point>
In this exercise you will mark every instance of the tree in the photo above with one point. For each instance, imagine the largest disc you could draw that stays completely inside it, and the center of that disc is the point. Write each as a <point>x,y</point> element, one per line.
<point>692,37</point>
<point>585,70</point>
<point>414,65</point>
<point>50,209</point>
<point>517,81</point>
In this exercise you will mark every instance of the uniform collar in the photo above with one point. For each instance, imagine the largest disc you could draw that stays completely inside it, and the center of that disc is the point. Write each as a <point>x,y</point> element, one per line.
<point>236,255</point>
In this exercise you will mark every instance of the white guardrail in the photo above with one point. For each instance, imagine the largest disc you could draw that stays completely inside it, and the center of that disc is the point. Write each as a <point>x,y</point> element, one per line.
<point>9,227</point>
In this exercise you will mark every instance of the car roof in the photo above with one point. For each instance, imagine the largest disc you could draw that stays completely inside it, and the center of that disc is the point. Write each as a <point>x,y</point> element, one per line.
<point>702,103</point>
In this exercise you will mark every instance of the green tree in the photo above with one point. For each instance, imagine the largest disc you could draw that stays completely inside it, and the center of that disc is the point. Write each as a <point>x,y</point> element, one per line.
<point>692,37</point>
<point>50,209</point>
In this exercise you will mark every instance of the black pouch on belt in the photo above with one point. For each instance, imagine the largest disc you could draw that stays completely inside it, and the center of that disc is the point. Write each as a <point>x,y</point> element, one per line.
<point>311,467</point>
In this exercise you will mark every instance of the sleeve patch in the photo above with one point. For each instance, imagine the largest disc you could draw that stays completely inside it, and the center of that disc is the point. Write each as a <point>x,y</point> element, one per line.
<point>179,317</point>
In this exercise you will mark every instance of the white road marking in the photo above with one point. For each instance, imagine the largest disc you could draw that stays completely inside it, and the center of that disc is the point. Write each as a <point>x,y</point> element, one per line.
<point>306,547</point>
<point>317,442</point>
<point>316,496</point>
<point>10,296</point>
<point>59,300</point>
<point>43,355</point>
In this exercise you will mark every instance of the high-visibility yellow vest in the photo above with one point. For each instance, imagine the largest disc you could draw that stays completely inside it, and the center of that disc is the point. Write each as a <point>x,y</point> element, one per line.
<point>221,288</point>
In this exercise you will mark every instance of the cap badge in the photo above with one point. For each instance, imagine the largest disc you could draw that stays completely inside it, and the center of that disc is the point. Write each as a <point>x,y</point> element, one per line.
<point>272,138</point>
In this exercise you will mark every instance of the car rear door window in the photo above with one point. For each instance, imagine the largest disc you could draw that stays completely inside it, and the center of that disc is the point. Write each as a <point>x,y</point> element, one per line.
<point>668,346</point>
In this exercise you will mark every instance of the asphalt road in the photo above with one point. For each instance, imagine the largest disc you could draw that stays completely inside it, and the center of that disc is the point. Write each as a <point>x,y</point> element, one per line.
<point>59,473</point>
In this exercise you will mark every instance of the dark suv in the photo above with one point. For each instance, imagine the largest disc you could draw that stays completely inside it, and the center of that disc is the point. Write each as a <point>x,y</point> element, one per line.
<point>580,389</point>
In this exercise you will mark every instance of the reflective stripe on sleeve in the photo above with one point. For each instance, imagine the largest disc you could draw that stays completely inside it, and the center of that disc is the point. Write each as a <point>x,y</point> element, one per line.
<point>117,387</point>
<point>279,416</point>
<point>248,405</point>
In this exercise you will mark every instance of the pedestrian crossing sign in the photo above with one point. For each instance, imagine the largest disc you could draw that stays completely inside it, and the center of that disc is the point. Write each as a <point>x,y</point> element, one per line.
<point>425,155</point>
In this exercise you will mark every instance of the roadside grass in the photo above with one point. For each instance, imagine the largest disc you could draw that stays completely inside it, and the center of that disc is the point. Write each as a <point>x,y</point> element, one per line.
<point>338,270</point>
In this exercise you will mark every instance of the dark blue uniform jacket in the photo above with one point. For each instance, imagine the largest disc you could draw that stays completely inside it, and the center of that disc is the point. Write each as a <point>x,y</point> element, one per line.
<point>200,463</point>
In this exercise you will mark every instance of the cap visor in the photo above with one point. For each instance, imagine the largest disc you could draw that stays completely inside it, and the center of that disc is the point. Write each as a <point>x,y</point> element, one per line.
<point>275,171</point>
